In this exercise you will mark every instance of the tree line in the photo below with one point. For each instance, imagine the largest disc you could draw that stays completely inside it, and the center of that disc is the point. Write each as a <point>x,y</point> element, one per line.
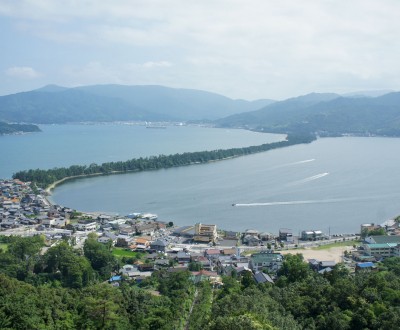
<point>44,178</point>
<point>63,288</point>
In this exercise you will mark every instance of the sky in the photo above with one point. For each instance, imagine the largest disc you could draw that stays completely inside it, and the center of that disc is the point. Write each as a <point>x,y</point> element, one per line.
<point>243,49</point>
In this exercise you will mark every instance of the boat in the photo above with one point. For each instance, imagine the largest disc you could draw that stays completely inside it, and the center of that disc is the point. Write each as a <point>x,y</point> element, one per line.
<point>162,127</point>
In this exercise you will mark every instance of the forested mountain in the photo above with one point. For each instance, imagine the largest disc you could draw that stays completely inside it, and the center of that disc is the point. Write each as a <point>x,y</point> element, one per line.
<point>55,104</point>
<point>6,128</point>
<point>326,114</point>
<point>65,288</point>
<point>69,105</point>
<point>184,104</point>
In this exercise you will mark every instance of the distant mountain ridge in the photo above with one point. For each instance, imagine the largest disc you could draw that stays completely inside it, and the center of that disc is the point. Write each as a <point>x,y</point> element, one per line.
<point>325,114</point>
<point>56,104</point>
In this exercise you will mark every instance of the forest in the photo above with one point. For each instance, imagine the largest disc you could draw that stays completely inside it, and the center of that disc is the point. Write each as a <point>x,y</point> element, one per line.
<point>44,178</point>
<point>65,288</point>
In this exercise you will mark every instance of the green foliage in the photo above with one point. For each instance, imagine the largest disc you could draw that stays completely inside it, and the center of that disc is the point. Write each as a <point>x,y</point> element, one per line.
<point>293,269</point>
<point>373,232</point>
<point>60,290</point>
<point>6,128</point>
<point>100,256</point>
<point>44,178</point>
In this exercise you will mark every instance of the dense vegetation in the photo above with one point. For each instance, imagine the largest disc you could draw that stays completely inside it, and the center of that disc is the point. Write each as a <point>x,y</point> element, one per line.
<point>6,128</point>
<point>44,178</point>
<point>63,288</point>
<point>326,114</point>
<point>104,103</point>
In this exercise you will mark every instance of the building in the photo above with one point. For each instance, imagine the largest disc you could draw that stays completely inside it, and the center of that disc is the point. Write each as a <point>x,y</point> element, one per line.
<point>379,251</point>
<point>159,245</point>
<point>205,233</point>
<point>269,261</point>
<point>286,234</point>
<point>311,235</point>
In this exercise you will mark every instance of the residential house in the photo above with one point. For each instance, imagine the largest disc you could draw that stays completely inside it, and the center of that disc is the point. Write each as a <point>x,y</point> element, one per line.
<point>159,245</point>
<point>205,233</point>
<point>286,234</point>
<point>266,260</point>
<point>261,277</point>
<point>183,257</point>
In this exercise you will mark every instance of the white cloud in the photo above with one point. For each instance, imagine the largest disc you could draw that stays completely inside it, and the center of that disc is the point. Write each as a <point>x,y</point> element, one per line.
<point>22,72</point>
<point>160,64</point>
<point>256,48</point>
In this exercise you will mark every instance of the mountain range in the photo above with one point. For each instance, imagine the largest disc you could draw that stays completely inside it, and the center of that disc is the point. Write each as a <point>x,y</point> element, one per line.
<point>55,104</point>
<point>327,114</point>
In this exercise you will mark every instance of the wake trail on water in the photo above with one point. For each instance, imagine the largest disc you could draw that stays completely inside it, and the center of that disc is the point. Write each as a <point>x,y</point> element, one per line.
<point>295,163</point>
<point>318,201</point>
<point>311,178</point>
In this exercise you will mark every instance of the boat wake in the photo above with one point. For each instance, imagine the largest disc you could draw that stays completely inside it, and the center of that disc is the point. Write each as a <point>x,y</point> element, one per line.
<point>315,201</point>
<point>311,178</point>
<point>295,163</point>
<point>320,201</point>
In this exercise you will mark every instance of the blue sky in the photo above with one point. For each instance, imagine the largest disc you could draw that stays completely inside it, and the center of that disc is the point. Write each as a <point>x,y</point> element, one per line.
<point>242,49</point>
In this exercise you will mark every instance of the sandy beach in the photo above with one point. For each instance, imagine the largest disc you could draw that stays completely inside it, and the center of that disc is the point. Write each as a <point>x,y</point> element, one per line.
<point>334,253</point>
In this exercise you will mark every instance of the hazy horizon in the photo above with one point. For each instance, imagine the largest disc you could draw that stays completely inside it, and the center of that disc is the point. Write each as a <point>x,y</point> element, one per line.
<point>261,49</point>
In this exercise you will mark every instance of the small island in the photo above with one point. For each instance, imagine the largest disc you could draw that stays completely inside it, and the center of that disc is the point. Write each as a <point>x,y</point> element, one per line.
<point>6,128</point>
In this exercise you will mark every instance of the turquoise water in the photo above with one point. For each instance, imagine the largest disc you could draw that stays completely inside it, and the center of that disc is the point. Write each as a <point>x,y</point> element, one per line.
<point>65,145</point>
<point>332,184</point>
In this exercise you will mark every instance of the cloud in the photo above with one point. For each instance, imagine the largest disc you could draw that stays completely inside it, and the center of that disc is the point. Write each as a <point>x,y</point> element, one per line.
<point>22,72</point>
<point>160,64</point>
<point>260,48</point>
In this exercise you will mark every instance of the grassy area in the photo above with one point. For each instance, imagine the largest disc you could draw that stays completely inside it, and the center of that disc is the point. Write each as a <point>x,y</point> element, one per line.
<point>3,246</point>
<point>121,252</point>
<point>338,244</point>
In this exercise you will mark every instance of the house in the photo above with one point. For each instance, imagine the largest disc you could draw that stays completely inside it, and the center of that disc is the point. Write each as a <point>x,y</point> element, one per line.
<point>91,226</point>
<point>146,267</point>
<point>212,253</point>
<point>229,252</point>
<point>231,235</point>
<point>183,257</point>
<point>321,265</point>
<point>365,266</point>
<point>129,271</point>
<point>142,242</point>
<point>261,277</point>
<point>311,235</point>
<point>382,239</point>
<point>286,234</point>
<point>105,240</point>
<point>205,233</point>
<point>115,278</point>
<point>265,236</point>
<point>159,245</point>
<point>266,260</point>
<point>204,275</point>
<point>251,240</point>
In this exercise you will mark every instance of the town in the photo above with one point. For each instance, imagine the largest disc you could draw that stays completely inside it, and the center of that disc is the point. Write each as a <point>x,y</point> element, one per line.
<point>145,244</point>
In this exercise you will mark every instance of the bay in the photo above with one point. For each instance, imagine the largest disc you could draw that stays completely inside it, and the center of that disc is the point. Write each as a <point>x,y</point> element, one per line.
<point>332,184</point>
<point>65,145</point>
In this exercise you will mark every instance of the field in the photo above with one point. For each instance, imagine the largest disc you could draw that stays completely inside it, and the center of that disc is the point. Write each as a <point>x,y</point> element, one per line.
<point>121,252</point>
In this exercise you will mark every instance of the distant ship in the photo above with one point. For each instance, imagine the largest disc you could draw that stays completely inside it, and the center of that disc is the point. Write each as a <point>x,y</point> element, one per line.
<point>156,126</point>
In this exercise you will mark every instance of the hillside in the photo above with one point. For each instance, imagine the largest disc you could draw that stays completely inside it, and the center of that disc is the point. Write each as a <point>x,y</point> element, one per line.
<point>6,128</point>
<point>55,104</point>
<point>326,114</point>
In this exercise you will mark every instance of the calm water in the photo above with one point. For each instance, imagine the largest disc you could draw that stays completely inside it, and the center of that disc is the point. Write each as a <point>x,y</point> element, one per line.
<point>333,183</point>
<point>65,145</point>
